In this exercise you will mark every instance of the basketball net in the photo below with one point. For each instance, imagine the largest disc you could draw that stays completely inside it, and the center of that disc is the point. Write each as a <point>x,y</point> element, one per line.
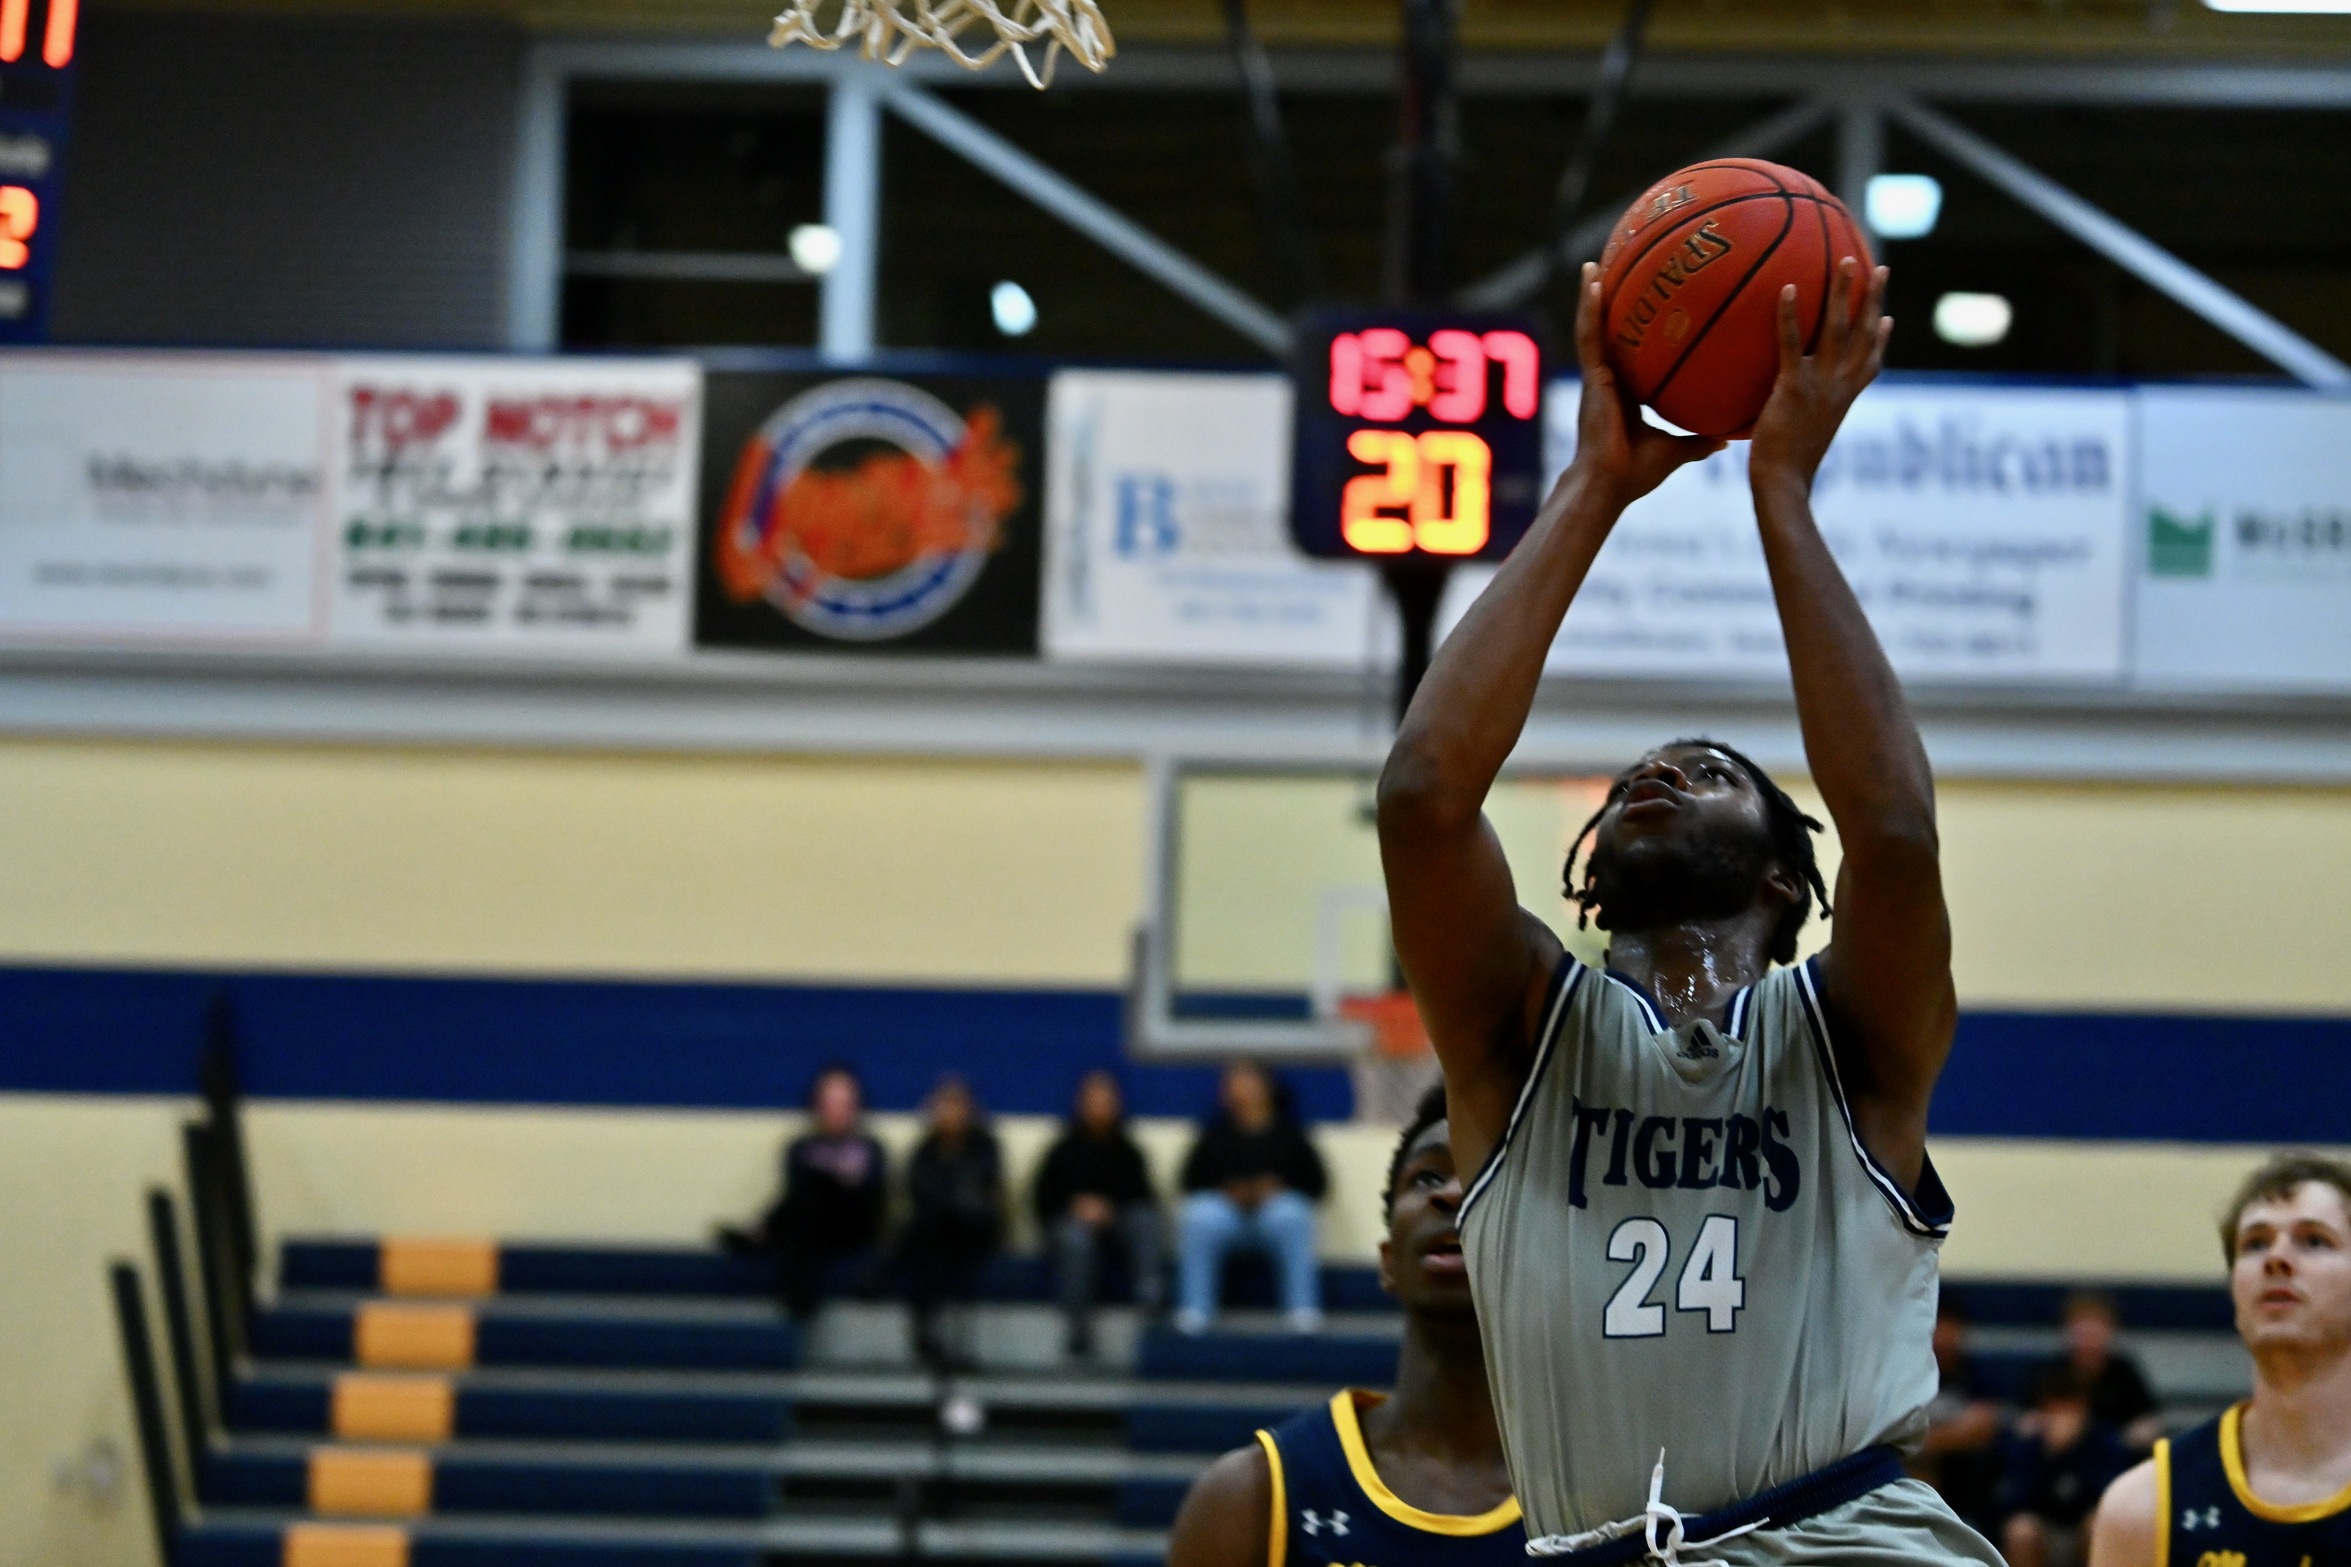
<point>1398,1066</point>
<point>972,33</point>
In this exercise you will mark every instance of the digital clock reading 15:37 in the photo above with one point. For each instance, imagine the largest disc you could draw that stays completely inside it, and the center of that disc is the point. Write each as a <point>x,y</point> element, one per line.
<point>1418,432</point>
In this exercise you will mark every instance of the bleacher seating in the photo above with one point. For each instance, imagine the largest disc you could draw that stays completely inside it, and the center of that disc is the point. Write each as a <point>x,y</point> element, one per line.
<point>443,1404</point>
<point>457,1402</point>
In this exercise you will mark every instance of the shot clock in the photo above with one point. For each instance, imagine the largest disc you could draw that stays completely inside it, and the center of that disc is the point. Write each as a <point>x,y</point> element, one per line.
<point>36,99</point>
<point>1418,433</point>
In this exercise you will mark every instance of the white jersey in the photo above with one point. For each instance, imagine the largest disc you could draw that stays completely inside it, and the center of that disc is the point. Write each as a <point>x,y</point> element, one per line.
<point>1682,1244</point>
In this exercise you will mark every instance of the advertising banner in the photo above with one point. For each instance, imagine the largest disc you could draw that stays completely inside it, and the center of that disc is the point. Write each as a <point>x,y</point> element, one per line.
<point>1982,528</point>
<point>867,512</point>
<point>162,498</point>
<point>1167,533</point>
<point>2245,572</point>
<point>514,505</point>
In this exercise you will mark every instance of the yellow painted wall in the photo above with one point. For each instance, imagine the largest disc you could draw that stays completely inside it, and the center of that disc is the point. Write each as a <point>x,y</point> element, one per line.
<point>2109,897</point>
<point>2063,895</point>
<point>566,863</point>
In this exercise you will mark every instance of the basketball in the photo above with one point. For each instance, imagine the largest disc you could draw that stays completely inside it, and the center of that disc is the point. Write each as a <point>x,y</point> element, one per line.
<point>1691,278</point>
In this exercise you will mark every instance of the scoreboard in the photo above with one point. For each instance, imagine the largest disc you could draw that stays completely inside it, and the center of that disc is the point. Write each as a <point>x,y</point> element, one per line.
<point>36,100</point>
<point>1418,433</point>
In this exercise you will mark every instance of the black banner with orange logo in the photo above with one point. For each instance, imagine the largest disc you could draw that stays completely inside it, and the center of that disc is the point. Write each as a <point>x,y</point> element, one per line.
<point>870,511</point>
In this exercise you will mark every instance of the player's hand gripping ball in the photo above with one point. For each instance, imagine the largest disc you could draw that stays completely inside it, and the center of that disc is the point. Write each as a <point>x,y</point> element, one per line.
<point>1691,279</point>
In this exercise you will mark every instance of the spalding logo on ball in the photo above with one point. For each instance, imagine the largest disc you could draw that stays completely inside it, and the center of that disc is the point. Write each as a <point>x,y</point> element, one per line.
<point>1691,280</point>
<point>864,509</point>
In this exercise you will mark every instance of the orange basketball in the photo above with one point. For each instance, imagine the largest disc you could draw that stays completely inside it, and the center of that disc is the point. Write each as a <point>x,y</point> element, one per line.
<point>1691,278</point>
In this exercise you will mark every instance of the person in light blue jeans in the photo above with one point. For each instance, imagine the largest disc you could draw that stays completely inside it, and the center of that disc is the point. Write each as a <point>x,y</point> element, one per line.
<point>1251,1182</point>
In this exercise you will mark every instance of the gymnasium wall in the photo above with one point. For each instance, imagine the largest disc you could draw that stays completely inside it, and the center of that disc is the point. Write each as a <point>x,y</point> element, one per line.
<point>2113,943</point>
<point>265,181</point>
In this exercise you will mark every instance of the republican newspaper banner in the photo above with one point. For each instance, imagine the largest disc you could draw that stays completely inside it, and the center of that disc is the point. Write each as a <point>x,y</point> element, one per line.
<point>150,498</point>
<point>514,505</point>
<point>2245,571</point>
<point>1982,528</point>
<point>1167,529</point>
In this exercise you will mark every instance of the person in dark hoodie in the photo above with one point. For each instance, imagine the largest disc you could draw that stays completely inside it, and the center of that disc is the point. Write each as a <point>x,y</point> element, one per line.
<point>826,1225</point>
<point>956,1183</point>
<point>1251,1182</point>
<point>1093,1195</point>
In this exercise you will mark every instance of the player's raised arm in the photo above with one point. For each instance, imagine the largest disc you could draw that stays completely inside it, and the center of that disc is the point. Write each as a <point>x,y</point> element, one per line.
<point>1887,975</point>
<point>1475,961</point>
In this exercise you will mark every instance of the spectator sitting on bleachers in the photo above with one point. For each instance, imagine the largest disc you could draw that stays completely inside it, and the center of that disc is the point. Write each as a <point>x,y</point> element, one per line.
<point>1093,1194</point>
<point>2054,1465</point>
<point>2118,1393</point>
<point>1959,1454</point>
<point>956,1181</point>
<point>1251,1182</point>
<point>825,1228</point>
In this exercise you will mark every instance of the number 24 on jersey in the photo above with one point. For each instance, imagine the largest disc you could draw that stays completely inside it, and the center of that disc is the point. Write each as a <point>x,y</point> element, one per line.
<point>1709,1281</point>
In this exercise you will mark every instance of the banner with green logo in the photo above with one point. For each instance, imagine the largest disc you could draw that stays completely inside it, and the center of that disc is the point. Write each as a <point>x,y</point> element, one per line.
<point>2245,506</point>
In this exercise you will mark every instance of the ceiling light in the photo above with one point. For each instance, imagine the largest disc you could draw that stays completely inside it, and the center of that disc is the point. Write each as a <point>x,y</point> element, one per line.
<point>1972,320</point>
<point>2283,7</point>
<point>1014,311</point>
<point>816,248</point>
<point>1904,206</point>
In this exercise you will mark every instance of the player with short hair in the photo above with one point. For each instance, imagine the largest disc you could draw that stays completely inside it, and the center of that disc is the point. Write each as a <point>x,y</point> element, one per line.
<point>2267,1483</point>
<point>1415,1479</point>
<point>1704,1231</point>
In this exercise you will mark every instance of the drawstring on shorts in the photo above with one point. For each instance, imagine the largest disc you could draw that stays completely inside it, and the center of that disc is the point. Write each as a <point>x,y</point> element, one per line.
<point>1666,1551</point>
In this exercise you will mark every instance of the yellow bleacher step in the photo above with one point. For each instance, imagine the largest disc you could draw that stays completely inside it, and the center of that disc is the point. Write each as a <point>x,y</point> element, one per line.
<point>373,1407</point>
<point>370,1482</point>
<point>344,1545</point>
<point>399,1336</point>
<point>437,1265</point>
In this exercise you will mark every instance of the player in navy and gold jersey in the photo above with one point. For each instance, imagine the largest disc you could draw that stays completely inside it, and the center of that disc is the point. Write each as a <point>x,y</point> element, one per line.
<point>2268,1484</point>
<point>1412,1479</point>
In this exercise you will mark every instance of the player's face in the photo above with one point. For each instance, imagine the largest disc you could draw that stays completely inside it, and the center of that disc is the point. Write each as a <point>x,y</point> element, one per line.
<point>2292,1277</point>
<point>1686,835</point>
<point>1420,1261</point>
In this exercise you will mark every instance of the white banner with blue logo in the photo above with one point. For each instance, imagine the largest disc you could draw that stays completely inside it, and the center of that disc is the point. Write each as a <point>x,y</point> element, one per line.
<point>1167,530</point>
<point>2245,568</point>
<point>1982,527</point>
<point>151,499</point>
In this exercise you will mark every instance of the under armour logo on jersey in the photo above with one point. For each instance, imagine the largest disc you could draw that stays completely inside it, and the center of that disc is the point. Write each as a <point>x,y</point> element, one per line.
<point>1314,1523</point>
<point>2193,1519</point>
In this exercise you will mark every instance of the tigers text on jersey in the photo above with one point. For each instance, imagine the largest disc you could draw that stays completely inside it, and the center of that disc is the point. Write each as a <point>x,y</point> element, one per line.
<point>1680,1243</point>
<point>2207,1515</point>
<point>1330,1506</point>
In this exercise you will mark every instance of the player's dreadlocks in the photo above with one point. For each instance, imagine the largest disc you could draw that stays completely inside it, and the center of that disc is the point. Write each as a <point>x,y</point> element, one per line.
<point>1426,1114</point>
<point>1791,832</point>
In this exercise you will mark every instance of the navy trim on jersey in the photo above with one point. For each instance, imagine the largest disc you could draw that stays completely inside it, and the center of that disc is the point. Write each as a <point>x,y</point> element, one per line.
<point>1564,980</point>
<point>1736,1020</point>
<point>1649,1006</point>
<point>1930,1212</point>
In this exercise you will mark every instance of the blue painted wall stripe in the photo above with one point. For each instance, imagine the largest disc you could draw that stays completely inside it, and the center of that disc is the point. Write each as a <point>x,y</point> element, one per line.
<point>601,1042</point>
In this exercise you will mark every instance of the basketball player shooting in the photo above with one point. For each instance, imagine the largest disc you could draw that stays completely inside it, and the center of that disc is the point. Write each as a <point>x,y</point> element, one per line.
<point>2268,1482</point>
<point>1703,1236</point>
